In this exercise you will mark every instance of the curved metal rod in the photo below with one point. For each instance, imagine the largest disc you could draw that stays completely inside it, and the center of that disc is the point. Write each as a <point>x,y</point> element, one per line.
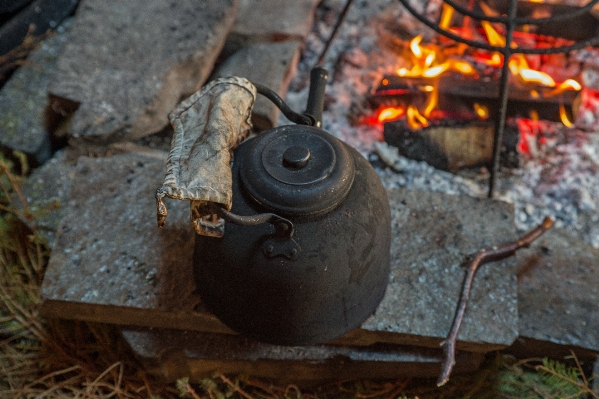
<point>503,99</point>
<point>283,227</point>
<point>522,21</point>
<point>290,114</point>
<point>504,50</point>
<point>327,45</point>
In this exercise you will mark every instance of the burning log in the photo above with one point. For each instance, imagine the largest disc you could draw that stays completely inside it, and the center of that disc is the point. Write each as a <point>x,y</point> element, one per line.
<point>452,144</point>
<point>457,92</point>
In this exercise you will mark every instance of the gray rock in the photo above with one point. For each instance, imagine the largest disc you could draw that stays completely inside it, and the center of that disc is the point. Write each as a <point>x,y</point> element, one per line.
<point>111,263</point>
<point>23,102</point>
<point>46,192</point>
<point>175,354</point>
<point>270,64</point>
<point>557,291</point>
<point>274,21</point>
<point>129,65</point>
<point>433,234</point>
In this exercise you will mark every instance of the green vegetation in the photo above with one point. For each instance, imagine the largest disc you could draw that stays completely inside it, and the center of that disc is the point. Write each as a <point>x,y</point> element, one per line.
<point>57,359</point>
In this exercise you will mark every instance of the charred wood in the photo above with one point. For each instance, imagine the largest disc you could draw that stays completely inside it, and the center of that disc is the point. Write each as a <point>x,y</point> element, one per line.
<point>453,144</point>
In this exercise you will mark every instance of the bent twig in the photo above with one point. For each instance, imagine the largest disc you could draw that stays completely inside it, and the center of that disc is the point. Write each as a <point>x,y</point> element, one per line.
<point>483,256</point>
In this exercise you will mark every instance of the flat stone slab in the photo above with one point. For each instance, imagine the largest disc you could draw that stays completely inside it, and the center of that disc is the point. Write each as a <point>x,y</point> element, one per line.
<point>111,263</point>
<point>274,21</point>
<point>558,295</point>
<point>432,235</point>
<point>46,192</point>
<point>174,354</point>
<point>129,66</point>
<point>24,99</point>
<point>269,64</point>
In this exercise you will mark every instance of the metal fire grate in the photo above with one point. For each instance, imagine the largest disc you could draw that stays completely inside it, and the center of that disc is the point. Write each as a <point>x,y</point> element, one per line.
<point>510,22</point>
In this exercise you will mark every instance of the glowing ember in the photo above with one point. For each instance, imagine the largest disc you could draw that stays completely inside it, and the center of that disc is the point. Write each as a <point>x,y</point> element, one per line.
<point>481,111</point>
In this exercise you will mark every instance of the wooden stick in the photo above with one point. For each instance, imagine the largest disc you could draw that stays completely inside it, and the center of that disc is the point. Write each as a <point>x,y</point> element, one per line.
<point>483,256</point>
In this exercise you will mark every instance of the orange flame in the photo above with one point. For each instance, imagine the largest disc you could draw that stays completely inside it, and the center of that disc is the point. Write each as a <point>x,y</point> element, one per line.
<point>568,84</point>
<point>446,16</point>
<point>425,63</point>
<point>391,114</point>
<point>518,64</point>
<point>429,62</point>
<point>462,67</point>
<point>415,46</point>
<point>493,36</point>
<point>564,116</point>
<point>415,119</point>
<point>532,76</point>
<point>435,71</point>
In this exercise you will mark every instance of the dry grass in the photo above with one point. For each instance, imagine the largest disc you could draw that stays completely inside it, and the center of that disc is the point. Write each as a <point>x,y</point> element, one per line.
<point>16,57</point>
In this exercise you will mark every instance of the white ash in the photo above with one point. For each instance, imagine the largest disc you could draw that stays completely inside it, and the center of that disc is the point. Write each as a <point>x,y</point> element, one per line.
<point>559,179</point>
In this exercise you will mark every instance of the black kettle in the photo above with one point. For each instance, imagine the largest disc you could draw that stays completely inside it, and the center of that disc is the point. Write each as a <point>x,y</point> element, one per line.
<point>320,266</point>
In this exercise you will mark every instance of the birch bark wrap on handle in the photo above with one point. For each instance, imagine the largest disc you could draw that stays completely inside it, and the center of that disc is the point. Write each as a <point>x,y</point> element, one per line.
<point>208,126</point>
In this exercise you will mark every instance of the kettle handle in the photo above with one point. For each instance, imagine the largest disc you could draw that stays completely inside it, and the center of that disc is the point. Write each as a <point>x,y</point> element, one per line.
<point>312,117</point>
<point>283,227</point>
<point>318,82</point>
<point>300,119</point>
<point>315,105</point>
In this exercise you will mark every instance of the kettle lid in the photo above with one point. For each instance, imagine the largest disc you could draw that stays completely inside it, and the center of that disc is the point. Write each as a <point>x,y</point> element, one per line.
<point>297,169</point>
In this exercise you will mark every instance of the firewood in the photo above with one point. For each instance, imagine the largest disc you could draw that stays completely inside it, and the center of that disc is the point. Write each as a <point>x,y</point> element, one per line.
<point>451,145</point>
<point>458,92</point>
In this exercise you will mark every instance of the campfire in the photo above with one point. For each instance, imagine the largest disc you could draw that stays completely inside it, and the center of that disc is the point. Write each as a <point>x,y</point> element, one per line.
<point>448,81</point>
<point>384,97</point>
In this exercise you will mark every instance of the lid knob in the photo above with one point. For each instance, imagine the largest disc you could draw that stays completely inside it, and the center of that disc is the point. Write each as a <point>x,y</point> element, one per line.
<point>296,157</point>
<point>296,170</point>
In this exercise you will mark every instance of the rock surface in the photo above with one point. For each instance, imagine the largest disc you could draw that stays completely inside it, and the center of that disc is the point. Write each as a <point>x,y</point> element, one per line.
<point>46,192</point>
<point>269,64</point>
<point>557,291</point>
<point>176,354</point>
<point>432,235</point>
<point>129,66</point>
<point>274,21</point>
<point>24,99</point>
<point>111,263</point>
